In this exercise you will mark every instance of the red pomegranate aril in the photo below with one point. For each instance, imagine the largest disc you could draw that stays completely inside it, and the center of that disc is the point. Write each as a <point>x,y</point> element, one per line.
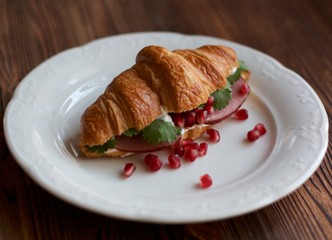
<point>214,135</point>
<point>174,161</point>
<point>186,141</point>
<point>261,128</point>
<point>155,164</point>
<point>210,101</point>
<point>190,119</point>
<point>193,145</point>
<point>208,108</point>
<point>253,135</point>
<point>206,181</point>
<point>178,120</point>
<point>178,149</point>
<point>129,169</point>
<point>191,154</point>
<point>244,89</point>
<point>241,114</point>
<point>203,147</point>
<point>149,157</point>
<point>201,116</point>
<point>196,109</point>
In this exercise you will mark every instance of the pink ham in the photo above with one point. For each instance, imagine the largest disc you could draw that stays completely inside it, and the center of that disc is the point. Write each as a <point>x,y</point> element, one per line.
<point>237,100</point>
<point>138,144</point>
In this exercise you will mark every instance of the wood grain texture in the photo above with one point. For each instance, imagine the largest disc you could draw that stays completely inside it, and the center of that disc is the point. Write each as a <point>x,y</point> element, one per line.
<point>297,33</point>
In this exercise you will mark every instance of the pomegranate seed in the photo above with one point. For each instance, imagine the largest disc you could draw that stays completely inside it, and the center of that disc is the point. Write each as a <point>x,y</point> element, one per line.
<point>261,128</point>
<point>206,181</point>
<point>129,169</point>
<point>174,161</point>
<point>253,135</point>
<point>195,110</point>
<point>241,114</point>
<point>186,141</point>
<point>208,108</point>
<point>244,89</point>
<point>178,149</point>
<point>149,157</point>
<point>213,135</point>
<point>203,147</point>
<point>190,119</point>
<point>201,116</point>
<point>192,145</point>
<point>210,101</point>
<point>155,164</point>
<point>178,120</point>
<point>191,154</point>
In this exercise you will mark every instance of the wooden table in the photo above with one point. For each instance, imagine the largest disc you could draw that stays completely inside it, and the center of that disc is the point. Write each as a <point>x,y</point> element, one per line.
<point>298,33</point>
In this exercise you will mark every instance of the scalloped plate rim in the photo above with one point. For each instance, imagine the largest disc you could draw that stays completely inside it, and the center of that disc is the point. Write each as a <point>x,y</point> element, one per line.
<point>152,216</point>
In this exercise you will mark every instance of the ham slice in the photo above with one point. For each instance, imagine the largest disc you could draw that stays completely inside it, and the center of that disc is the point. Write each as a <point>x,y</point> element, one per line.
<point>138,144</point>
<point>235,103</point>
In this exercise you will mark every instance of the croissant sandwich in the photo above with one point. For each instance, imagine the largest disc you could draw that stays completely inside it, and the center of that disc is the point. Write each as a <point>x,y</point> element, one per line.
<point>165,96</point>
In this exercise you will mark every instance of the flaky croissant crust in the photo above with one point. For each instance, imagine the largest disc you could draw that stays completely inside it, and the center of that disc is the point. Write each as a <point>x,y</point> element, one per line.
<point>177,81</point>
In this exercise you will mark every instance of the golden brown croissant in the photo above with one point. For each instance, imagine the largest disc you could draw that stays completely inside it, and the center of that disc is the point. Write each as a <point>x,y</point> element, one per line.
<point>161,80</point>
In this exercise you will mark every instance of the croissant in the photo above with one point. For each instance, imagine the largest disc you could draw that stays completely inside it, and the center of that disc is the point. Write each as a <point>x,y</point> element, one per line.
<point>160,81</point>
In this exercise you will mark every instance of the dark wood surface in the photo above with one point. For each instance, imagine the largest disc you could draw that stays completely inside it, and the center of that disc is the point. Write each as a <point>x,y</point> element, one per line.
<point>298,33</point>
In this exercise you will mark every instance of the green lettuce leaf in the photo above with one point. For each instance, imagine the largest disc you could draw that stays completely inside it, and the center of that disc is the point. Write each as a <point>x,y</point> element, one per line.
<point>130,132</point>
<point>222,97</point>
<point>235,76</point>
<point>160,131</point>
<point>100,149</point>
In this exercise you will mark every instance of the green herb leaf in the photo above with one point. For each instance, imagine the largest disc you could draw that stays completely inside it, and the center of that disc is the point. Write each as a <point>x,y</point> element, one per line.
<point>130,132</point>
<point>235,76</point>
<point>160,131</point>
<point>100,149</point>
<point>222,97</point>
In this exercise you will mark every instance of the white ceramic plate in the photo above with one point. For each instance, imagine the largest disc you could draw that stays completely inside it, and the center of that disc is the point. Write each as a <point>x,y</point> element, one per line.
<point>42,126</point>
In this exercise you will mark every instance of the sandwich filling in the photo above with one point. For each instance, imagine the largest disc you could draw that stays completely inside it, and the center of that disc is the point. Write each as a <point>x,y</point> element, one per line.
<point>164,131</point>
